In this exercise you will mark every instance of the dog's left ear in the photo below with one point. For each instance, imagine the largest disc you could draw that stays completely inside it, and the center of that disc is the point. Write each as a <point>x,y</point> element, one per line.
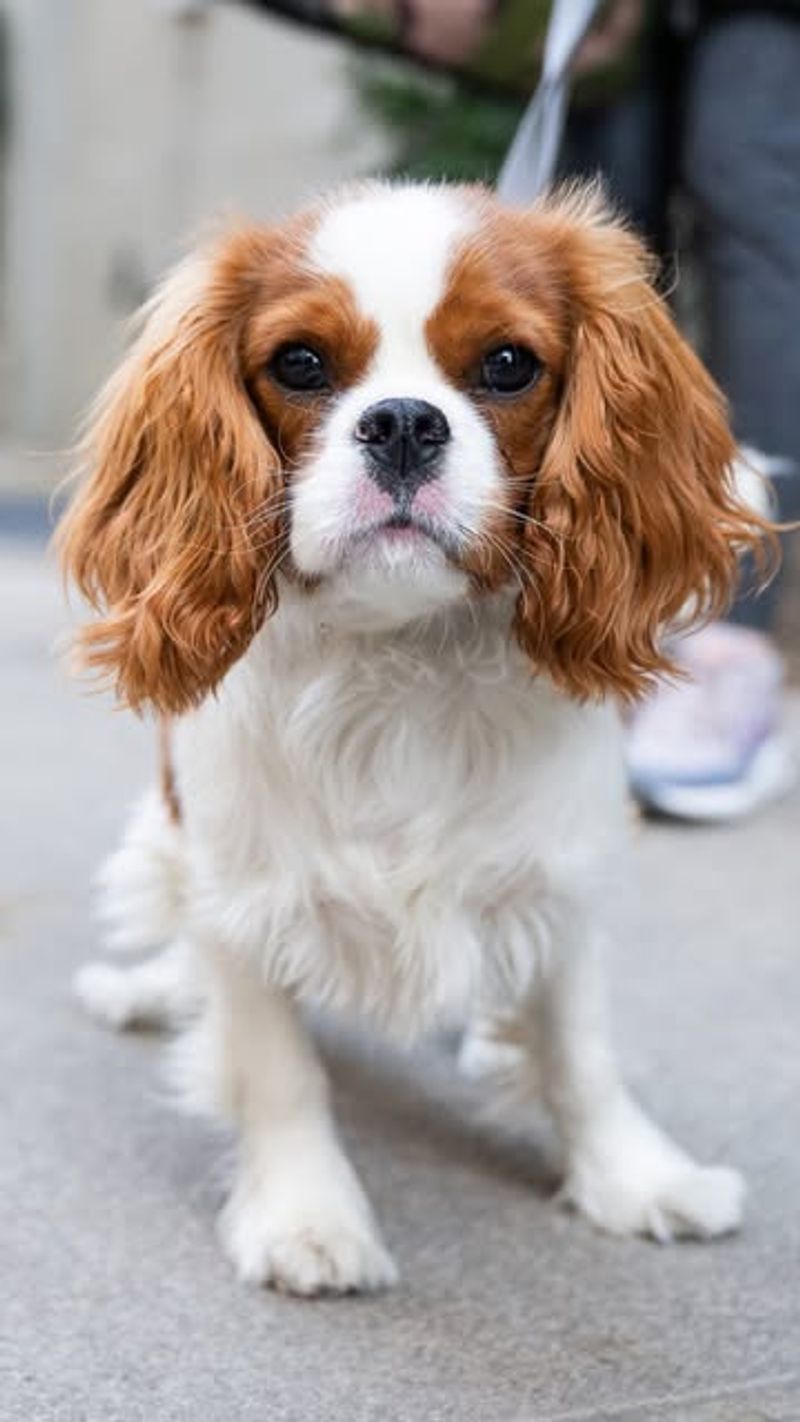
<point>642,524</point>
<point>173,533</point>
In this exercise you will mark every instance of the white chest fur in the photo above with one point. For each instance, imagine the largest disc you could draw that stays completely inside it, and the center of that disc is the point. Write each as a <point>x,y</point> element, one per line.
<point>385,818</point>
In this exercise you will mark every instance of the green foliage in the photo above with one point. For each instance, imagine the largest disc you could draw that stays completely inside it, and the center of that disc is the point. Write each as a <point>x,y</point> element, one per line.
<point>439,127</point>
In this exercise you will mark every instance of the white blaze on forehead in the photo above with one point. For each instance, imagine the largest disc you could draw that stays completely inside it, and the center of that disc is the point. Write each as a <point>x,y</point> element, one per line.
<point>394,246</point>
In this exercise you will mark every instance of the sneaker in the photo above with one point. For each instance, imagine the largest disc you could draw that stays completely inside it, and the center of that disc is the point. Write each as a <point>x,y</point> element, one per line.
<point>710,747</point>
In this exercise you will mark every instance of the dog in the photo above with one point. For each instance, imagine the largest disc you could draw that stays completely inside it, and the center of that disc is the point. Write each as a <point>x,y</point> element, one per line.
<point>384,515</point>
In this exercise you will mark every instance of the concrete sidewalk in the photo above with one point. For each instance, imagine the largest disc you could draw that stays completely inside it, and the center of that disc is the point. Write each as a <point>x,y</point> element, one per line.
<point>116,1304</point>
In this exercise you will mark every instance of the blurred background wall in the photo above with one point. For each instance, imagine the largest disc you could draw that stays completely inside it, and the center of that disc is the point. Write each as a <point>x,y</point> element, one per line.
<point>128,125</point>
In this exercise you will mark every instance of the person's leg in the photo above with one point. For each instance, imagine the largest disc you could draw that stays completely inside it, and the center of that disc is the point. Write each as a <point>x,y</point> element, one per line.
<point>712,748</point>
<point>741,168</point>
<point>623,142</point>
<point>629,138</point>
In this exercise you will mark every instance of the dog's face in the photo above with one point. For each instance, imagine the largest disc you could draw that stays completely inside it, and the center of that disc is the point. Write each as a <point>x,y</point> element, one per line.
<point>393,383</point>
<point>404,398</point>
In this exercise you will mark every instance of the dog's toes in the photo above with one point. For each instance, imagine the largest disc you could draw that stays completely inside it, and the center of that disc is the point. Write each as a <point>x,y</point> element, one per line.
<point>320,1251</point>
<point>700,1202</point>
<point>707,1201</point>
<point>310,1263</point>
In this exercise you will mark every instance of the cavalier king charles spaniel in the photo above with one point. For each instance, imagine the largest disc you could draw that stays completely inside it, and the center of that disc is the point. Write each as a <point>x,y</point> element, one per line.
<point>384,513</point>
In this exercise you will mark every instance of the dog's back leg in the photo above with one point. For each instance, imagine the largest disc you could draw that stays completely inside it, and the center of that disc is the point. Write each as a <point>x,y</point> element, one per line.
<point>157,993</point>
<point>140,894</point>
<point>140,887</point>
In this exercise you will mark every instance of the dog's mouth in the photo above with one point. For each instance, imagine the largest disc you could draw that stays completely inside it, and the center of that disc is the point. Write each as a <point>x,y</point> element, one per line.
<point>407,532</point>
<point>403,527</point>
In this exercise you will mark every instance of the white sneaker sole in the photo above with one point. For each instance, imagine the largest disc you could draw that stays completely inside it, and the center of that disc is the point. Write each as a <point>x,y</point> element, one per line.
<point>771,774</point>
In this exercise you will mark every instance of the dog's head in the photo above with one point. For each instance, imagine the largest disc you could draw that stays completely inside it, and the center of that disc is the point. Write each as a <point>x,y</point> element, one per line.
<point>407,397</point>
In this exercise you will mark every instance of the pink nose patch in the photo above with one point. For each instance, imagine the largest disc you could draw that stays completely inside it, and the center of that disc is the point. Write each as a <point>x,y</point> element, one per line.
<point>372,504</point>
<point>429,499</point>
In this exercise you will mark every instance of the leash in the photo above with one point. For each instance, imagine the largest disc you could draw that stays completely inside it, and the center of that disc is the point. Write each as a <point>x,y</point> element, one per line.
<point>531,160</point>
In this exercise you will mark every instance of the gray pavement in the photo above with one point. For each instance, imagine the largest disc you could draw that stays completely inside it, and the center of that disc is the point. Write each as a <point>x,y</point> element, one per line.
<point>115,1303</point>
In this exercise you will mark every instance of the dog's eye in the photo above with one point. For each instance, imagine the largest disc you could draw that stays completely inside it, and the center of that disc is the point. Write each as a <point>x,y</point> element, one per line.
<point>300,368</point>
<point>509,370</point>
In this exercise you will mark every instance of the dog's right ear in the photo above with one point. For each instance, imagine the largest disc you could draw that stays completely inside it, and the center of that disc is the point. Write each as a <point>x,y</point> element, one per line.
<point>177,523</point>
<point>643,524</point>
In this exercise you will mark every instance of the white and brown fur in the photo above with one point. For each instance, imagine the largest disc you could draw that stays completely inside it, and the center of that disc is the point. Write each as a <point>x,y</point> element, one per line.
<point>394,782</point>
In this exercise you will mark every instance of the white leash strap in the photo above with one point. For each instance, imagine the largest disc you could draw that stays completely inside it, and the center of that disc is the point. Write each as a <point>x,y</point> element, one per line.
<point>531,160</point>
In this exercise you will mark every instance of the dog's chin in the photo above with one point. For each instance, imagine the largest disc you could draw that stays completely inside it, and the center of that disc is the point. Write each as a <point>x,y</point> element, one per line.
<point>391,576</point>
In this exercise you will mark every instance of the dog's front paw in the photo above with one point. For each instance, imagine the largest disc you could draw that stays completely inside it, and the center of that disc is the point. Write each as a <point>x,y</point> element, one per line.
<point>699,1201</point>
<point>634,1180</point>
<point>305,1246</point>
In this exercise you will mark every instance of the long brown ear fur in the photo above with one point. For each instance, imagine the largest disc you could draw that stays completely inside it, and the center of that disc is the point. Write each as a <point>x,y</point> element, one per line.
<point>643,526</point>
<point>173,531</point>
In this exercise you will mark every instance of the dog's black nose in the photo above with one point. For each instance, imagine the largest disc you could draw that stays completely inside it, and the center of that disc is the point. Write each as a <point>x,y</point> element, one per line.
<point>403,440</point>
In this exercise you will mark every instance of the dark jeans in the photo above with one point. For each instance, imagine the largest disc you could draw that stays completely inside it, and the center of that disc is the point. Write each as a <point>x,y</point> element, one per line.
<point>718,119</point>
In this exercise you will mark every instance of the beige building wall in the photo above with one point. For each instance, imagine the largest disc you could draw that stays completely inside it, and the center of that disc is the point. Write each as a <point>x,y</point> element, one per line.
<point>133,124</point>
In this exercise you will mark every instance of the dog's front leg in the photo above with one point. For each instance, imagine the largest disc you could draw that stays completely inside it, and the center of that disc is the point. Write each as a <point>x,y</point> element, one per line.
<point>297,1217</point>
<point>622,1172</point>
